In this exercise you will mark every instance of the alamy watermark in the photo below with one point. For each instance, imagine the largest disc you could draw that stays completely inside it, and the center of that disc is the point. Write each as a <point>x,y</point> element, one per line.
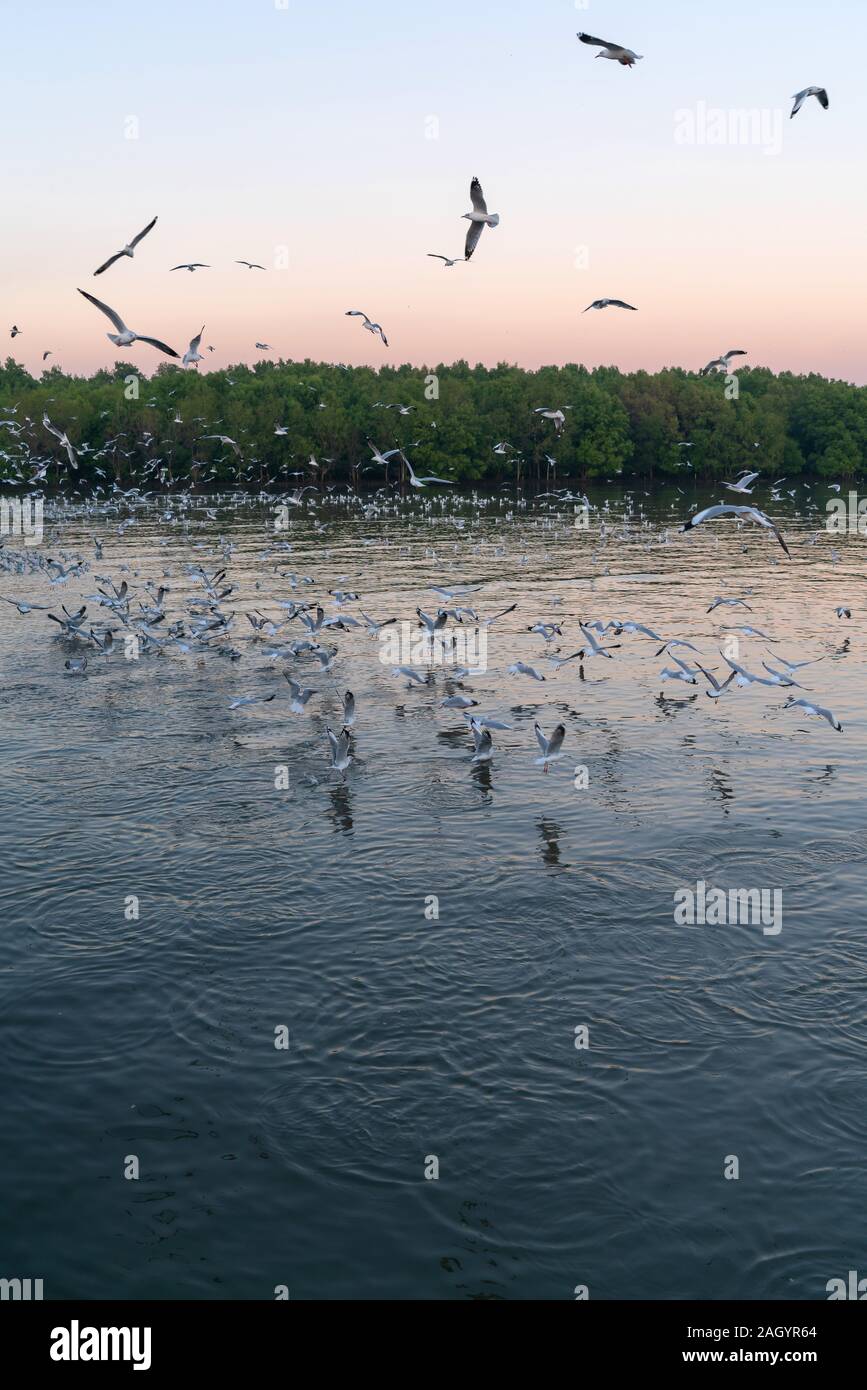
<point>22,519</point>
<point>720,907</point>
<point>408,645</point>
<point>761,127</point>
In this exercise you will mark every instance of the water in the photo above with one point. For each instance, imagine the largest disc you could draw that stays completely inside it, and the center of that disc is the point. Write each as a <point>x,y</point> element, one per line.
<point>453,1037</point>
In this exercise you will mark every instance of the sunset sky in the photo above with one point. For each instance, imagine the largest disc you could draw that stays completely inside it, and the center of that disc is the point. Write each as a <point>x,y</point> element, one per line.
<point>349,134</point>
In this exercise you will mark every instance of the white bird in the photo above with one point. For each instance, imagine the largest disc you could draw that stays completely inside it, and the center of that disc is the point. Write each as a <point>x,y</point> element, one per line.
<point>800,97</point>
<point>814,709</point>
<point>478,219</point>
<point>609,303</point>
<point>64,440</point>
<point>298,695</point>
<point>128,250</point>
<point>413,677</point>
<point>458,702</point>
<point>368,324</point>
<point>192,353</point>
<point>191,266</point>
<point>721,363</point>
<point>348,710</point>
<point>124,336</point>
<point>683,673</point>
<point>615,51</point>
<point>484,744</point>
<point>729,603</point>
<point>340,754</point>
<point>251,265</point>
<point>552,748</point>
<point>718,687</point>
<point>251,700</point>
<point>729,509</point>
<point>742,485</point>
<point>557,416</point>
<point>421,482</point>
<point>447,261</point>
<point>595,649</point>
<point>843,612</point>
<point>520,668</point>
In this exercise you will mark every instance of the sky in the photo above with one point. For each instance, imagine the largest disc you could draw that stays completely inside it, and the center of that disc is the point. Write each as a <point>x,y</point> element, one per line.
<point>335,144</point>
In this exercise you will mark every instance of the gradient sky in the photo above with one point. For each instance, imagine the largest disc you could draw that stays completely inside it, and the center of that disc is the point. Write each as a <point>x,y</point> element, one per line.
<point>307,126</point>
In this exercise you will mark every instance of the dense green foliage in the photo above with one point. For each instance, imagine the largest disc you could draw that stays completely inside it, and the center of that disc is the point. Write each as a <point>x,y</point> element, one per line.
<point>616,423</point>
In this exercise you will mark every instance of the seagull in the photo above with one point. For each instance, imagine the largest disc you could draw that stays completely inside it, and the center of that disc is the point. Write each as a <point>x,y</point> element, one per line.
<point>595,649</point>
<point>128,250</point>
<point>478,219</point>
<point>61,435</point>
<point>49,353</point>
<point>800,97</point>
<point>551,747</point>
<point>805,705</point>
<point>729,603</point>
<point>251,265</point>
<point>251,700</point>
<point>729,509</point>
<point>370,326</point>
<point>340,754</point>
<point>224,439</point>
<point>298,695</point>
<point>748,678</point>
<point>412,677</point>
<point>458,702</point>
<point>15,330</point>
<point>264,347</point>
<point>722,363</point>
<point>24,607</point>
<point>683,673</point>
<point>615,51</point>
<point>743,484</point>
<point>191,266</point>
<point>423,482</point>
<point>445,259</point>
<point>348,710</point>
<point>484,744</point>
<point>125,336</point>
<point>76,665</point>
<point>520,668</point>
<point>547,413</point>
<point>609,303</point>
<point>843,612</point>
<point>676,642</point>
<point>192,353</point>
<point>718,687</point>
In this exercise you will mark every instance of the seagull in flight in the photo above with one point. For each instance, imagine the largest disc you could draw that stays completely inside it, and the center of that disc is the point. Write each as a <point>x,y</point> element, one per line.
<point>340,754</point>
<point>552,748</point>
<point>520,668</point>
<point>251,265</point>
<point>729,509</point>
<point>615,51</point>
<point>298,696</point>
<point>721,364</point>
<point>128,250</point>
<point>484,744</point>
<point>718,688</point>
<point>15,331</point>
<point>729,603</point>
<point>191,266</point>
<point>814,709</point>
<point>478,219</point>
<point>422,482</point>
<point>64,440</point>
<point>800,97</point>
<point>445,259</point>
<point>742,484</point>
<point>368,324</point>
<point>609,303</point>
<point>124,336</point>
<point>192,353</point>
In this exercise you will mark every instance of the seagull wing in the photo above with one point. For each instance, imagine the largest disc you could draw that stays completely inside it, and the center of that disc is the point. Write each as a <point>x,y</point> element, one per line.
<point>621,304</point>
<point>109,313</point>
<point>155,342</point>
<point>194,342</point>
<point>143,233</point>
<point>477,197</point>
<point>474,231</point>
<point>105,265</point>
<point>600,43</point>
<point>541,739</point>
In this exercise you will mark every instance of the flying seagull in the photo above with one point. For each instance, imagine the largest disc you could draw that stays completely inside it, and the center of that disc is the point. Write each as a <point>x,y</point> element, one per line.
<point>718,687</point>
<point>251,265</point>
<point>62,437</point>
<point>800,97</point>
<point>552,748</point>
<point>125,336</point>
<point>340,754</point>
<point>484,744</point>
<point>453,261</point>
<point>743,484</point>
<point>128,250</point>
<point>15,331</point>
<point>814,709</point>
<point>609,303</point>
<point>615,51</point>
<point>423,482</point>
<point>729,509</point>
<point>368,324</point>
<point>298,696</point>
<point>478,218</point>
<point>191,266</point>
<point>721,364</point>
<point>192,353</point>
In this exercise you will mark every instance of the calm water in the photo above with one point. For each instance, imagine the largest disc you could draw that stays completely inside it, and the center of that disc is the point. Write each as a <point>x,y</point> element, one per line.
<point>454,1037</point>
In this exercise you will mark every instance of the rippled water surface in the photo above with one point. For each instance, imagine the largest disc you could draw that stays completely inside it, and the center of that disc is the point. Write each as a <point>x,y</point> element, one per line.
<point>413,1036</point>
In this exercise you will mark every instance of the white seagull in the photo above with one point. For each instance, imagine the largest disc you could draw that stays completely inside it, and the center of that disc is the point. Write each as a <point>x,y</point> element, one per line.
<point>729,509</point>
<point>340,754</point>
<point>800,97</point>
<point>615,51</point>
<point>64,440</point>
<point>251,265</point>
<point>478,219</point>
<point>721,364</point>
<point>742,485</point>
<point>368,324</point>
<point>191,266</point>
<point>192,353</point>
<point>483,742</point>
<point>128,250</point>
<point>298,695</point>
<point>422,482</point>
<point>552,748</point>
<point>445,259</point>
<point>124,336</point>
<point>814,709</point>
